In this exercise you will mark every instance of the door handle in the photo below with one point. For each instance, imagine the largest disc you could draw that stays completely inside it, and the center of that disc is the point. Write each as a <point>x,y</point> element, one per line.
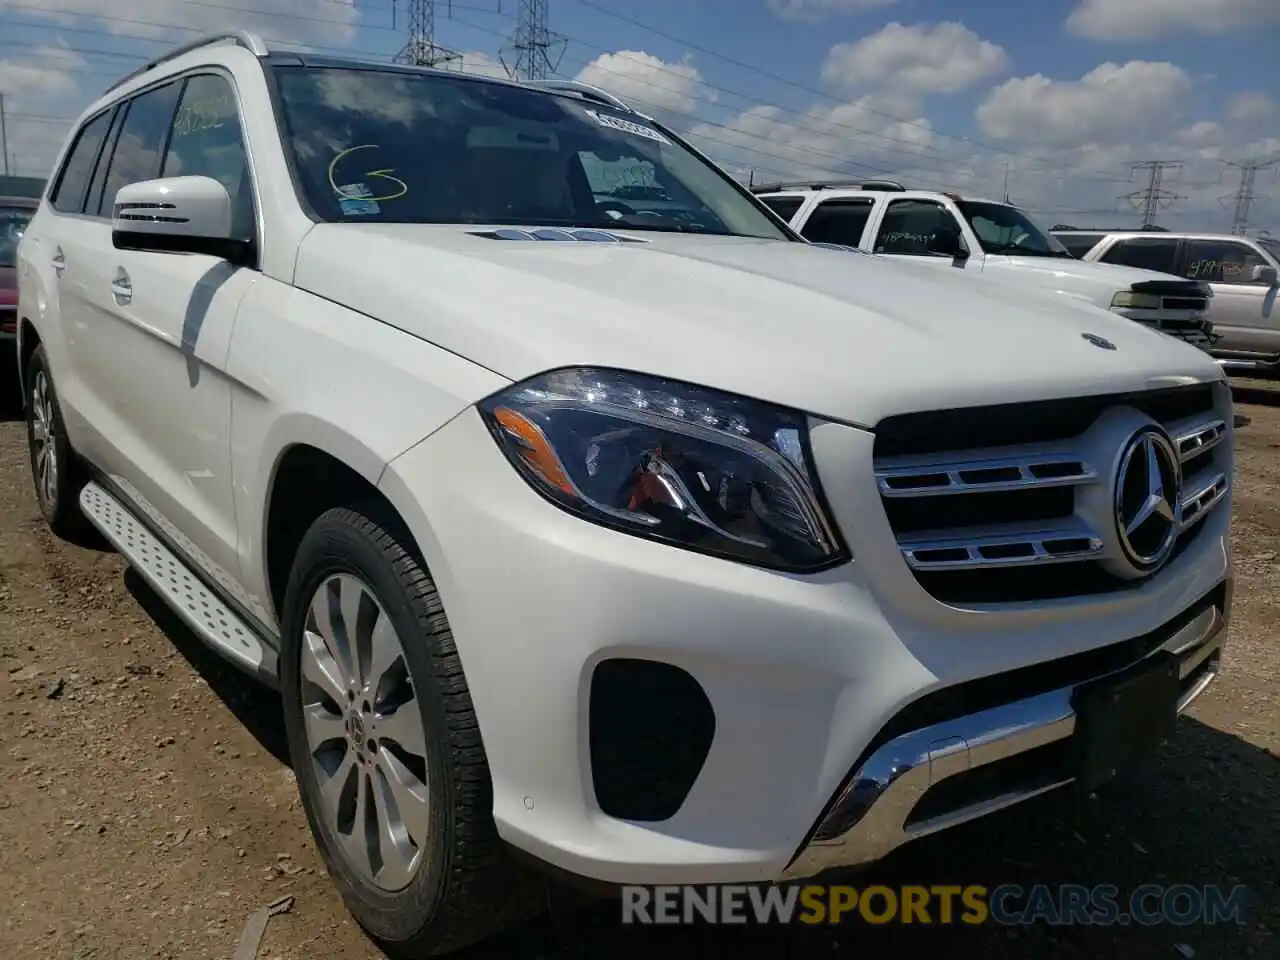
<point>59,262</point>
<point>122,288</point>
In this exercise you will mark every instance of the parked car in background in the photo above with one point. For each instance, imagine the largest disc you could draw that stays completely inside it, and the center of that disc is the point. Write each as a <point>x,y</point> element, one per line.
<point>997,240</point>
<point>1080,240</point>
<point>1242,272</point>
<point>656,544</point>
<point>15,214</point>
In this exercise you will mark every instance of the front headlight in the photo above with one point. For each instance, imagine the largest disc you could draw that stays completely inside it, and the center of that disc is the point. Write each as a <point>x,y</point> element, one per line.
<point>1127,299</point>
<point>700,469</point>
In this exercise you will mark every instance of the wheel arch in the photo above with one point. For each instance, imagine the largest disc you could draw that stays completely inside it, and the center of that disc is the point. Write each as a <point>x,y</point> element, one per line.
<point>320,466</point>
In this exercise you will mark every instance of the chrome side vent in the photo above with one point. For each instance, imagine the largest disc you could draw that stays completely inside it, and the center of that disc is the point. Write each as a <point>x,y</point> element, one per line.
<point>137,212</point>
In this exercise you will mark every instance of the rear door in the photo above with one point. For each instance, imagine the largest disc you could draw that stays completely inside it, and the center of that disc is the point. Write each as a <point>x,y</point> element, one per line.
<point>785,207</point>
<point>110,366</point>
<point>58,249</point>
<point>1149,253</point>
<point>164,328</point>
<point>840,220</point>
<point>1243,310</point>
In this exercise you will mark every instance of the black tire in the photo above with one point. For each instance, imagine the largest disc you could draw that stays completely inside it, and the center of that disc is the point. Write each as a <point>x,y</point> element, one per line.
<point>467,887</point>
<point>61,510</point>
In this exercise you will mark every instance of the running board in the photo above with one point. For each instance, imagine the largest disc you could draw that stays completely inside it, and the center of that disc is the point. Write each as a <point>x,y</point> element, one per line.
<point>200,608</point>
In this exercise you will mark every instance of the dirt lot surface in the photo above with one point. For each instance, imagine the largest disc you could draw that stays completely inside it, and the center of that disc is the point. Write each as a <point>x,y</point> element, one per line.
<point>146,810</point>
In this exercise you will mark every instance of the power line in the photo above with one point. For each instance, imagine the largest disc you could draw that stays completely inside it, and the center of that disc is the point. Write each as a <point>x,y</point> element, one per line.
<point>1244,196</point>
<point>532,43</point>
<point>924,158</point>
<point>1153,196</point>
<point>421,48</point>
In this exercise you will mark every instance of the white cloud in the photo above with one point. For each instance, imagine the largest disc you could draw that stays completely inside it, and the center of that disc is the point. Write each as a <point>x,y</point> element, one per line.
<point>43,73</point>
<point>1125,20</point>
<point>670,91</point>
<point>1253,106</point>
<point>816,10</point>
<point>854,140</point>
<point>1112,103</point>
<point>39,87</point>
<point>942,57</point>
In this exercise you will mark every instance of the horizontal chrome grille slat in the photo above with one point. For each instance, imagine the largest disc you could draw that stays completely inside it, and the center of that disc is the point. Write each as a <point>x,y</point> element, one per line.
<point>992,474</point>
<point>1014,545</point>
<point>1194,439</point>
<point>1204,496</point>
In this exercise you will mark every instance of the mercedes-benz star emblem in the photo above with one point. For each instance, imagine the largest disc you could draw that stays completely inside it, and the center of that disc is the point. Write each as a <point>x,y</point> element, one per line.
<point>1098,341</point>
<point>1148,499</point>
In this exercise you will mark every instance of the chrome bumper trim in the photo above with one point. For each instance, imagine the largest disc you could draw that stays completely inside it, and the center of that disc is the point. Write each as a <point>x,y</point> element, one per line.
<point>871,812</point>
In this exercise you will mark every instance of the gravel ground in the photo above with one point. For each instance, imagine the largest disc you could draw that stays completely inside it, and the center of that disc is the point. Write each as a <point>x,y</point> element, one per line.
<point>146,808</point>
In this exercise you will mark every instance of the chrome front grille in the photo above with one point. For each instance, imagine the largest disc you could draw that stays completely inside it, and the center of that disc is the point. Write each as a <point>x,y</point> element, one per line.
<point>1033,516</point>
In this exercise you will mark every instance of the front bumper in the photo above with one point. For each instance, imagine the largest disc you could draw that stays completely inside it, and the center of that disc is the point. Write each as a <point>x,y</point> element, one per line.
<point>801,676</point>
<point>886,802</point>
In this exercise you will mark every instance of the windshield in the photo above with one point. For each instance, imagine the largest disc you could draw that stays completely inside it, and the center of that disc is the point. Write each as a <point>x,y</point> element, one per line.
<point>397,147</point>
<point>13,223</point>
<point>1271,246</point>
<point>1007,230</point>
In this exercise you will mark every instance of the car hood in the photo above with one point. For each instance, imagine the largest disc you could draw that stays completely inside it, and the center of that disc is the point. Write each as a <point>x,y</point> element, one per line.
<point>835,333</point>
<point>1059,272</point>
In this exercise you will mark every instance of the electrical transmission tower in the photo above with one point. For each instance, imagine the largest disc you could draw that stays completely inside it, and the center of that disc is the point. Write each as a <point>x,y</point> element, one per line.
<point>1244,196</point>
<point>421,48</point>
<point>1154,196</point>
<point>530,55</point>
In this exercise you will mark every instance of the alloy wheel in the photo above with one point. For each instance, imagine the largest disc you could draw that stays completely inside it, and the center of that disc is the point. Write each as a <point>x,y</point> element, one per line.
<point>365,737</point>
<point>44,439</point>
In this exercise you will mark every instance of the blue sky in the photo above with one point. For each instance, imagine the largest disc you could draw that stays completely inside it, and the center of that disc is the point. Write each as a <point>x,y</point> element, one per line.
<point>1062,95</point>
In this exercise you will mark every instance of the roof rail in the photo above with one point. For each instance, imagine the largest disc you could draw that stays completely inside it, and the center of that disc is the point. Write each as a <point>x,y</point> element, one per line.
<point>877,184</point>
<point>585,90</point>
<point>241,38</point>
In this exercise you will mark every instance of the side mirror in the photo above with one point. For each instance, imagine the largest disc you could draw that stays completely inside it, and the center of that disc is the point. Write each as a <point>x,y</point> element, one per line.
<point>1265,273</point>
<point>177,215</point>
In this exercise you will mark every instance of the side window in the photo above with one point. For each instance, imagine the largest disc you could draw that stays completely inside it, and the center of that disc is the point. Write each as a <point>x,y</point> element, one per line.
<point>784,207</point>
<point>910,225</point>
<point>1149,253</point>
<point>207,142</point>
<point>838,221</point>
<point>1221,261</point>
<point>140,145</point>
<point>68,195</point>
<point>93,202</point>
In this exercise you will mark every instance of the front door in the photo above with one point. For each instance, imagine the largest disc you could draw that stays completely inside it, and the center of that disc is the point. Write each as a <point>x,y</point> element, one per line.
<point>916,228</point>
<point>163,329</point>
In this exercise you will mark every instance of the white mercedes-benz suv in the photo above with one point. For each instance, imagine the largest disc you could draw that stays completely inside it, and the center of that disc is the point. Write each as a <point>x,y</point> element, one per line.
<point>658,545</point>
